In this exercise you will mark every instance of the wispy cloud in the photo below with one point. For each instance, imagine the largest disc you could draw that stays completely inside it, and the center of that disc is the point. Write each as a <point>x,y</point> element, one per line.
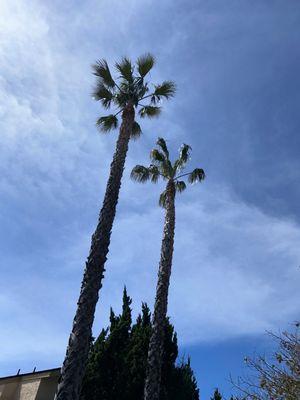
<point>236,270</point>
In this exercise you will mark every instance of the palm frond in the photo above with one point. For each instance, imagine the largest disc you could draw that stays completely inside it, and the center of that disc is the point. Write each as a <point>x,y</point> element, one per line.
<point>167,169</point>
<point>120,99</point>
<point>162,144</point>
<point>141,88</point>
<point>101,70</point>
<point>149,111</point>
<point>157,157</point>
<point>167,90</point>
<point>136,131</point>
<point>197,175</point>
<point>107,123</point>
<point>154,173</point>
<point>180,186</point>
<point>125,68</point>
<point>103,94</point>
<point>145,64</point>
<point>140,174</point>
<point>184,154</point>
<point>163,199</point>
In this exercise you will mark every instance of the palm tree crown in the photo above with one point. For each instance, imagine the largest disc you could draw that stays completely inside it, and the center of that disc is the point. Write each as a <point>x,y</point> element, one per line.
<point>161,166</point>
<point>130,87</point>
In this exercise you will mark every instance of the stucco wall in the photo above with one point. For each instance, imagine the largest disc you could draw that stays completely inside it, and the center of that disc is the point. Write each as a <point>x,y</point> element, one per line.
<point>35,386</point>
<point>29,390</point>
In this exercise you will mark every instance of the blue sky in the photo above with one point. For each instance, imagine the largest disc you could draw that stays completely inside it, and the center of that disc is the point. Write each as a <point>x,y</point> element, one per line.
<point>236,262</point>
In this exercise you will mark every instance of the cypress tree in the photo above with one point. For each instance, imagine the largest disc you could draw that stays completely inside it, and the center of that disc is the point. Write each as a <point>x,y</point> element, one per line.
<point>117,361</point>
<point>90,386</point>
<point>136,360</point>
<point>217,395</point>
<point>170,353</point>
<point>183,385</point>
<point>105,375</point>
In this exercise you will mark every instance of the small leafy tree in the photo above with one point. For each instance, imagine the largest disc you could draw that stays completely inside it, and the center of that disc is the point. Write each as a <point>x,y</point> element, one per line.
<point>162,167</point>
<point>277,378</point>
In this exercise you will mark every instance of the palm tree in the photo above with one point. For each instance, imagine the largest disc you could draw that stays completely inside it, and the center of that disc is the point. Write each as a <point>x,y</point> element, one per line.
<point>162,167</point>
<point>126,94</point>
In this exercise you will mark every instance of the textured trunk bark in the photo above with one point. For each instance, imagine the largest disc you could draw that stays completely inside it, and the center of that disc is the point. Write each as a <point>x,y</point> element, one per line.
<point>79,342</point>
<point>153,378</point>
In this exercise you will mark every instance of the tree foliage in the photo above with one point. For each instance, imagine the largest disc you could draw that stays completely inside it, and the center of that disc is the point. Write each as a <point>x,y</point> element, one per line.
<point>162,166</point>
<point>277,378</point>
<point>129,86</point>
<point>118,358</point>
<point>217,395</point>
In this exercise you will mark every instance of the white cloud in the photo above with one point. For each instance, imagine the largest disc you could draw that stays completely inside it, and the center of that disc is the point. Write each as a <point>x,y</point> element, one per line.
<point>47,129</point>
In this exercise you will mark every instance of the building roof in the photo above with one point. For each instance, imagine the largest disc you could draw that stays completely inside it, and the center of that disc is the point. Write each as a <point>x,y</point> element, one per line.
<point>44,371</point>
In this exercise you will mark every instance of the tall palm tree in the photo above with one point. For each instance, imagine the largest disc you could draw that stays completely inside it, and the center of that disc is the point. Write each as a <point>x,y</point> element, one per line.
<point>126,94</point>
<point>162,167</point>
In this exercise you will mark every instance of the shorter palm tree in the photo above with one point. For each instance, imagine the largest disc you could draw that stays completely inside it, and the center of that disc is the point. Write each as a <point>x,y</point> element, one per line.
<point>162,167</point>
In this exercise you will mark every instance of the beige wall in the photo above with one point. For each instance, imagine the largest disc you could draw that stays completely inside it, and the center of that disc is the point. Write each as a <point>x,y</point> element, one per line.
<point>35,386</point>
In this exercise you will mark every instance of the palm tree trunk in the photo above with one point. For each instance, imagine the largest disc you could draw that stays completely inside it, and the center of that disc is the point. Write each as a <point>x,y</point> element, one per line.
<point>80,339</point>
<point>155,352</point>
